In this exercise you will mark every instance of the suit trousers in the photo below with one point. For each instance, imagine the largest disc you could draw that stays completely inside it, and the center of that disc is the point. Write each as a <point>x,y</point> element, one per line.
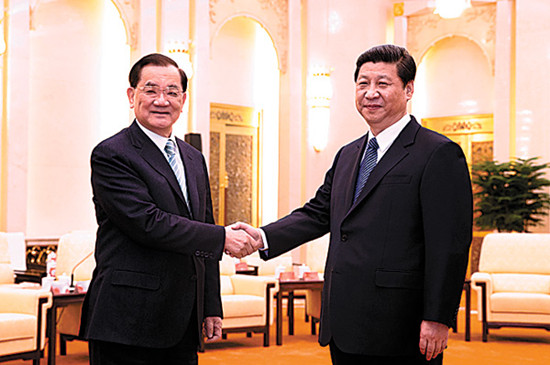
<point>339,357</point>
<point>183,353</point>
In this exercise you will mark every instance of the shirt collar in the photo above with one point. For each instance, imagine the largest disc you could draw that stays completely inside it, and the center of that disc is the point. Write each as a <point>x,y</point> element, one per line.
<point>158,140</point>
<point>388,135</point>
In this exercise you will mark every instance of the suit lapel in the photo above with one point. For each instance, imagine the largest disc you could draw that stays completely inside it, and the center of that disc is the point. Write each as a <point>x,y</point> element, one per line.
<point>392,157</point>
<point>355,161</point>
<point>154,157</point>
<point>191,174</point>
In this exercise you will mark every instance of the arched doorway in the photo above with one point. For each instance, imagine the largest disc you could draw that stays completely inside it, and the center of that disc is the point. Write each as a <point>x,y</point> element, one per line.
<point>244,94</point>
<point>454,95</point>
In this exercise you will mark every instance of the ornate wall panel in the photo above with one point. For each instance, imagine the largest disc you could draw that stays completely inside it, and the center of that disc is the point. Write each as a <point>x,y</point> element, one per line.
<point>271,14</point>
<point>214,175</point>
<point>238,164</point>
<point>234,163</point>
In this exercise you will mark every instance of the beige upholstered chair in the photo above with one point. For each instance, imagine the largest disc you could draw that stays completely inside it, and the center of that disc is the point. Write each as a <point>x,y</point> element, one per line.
<point>23,322</point>
<point>6,271</point>
<point>247,301</point>
<point>74,252</point>
<point>22,313</point>
<point>513,282</point>
<point>316,257</point>
<point>269,267</point>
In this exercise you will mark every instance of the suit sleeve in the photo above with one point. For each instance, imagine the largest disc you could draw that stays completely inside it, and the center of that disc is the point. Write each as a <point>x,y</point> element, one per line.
<point>446,199</point>
<point>126,201</point>
<point>304,224</point>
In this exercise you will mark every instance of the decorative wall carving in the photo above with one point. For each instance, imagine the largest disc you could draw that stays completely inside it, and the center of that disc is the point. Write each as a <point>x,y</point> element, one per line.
<point>477,24</point>
<point>215,174</point>
<point>238,164</point>
<point>129,12</point>
<point>271,14</point>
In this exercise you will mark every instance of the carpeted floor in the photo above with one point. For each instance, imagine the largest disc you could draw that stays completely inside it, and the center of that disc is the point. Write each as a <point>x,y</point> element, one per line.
<point>505,347</point>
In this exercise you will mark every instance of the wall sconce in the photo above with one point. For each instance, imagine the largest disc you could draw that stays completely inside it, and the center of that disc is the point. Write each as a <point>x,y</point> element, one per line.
<point>180,52</point>
<point>449,9</point>
<point>319,95</point>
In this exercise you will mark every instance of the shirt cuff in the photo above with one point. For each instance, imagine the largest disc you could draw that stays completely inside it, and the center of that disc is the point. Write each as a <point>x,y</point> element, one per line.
<point>264,240</point>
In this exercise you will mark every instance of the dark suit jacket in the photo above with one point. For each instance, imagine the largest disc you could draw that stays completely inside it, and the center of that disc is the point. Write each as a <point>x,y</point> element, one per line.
<point>156,266</point>
<point>399,254</point>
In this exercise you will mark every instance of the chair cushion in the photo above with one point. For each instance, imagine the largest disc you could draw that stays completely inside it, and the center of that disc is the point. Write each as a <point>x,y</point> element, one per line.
<point>226,286</point>
<point>520,303</point>
<point>515,253</point>
<point>72,248</point>
<point>15,326</point>
<point>521,283</point>
<point>242,305</point>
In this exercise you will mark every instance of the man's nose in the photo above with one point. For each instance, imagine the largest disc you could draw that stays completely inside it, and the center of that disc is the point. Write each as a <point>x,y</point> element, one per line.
<point>161,99</point>
<point>372,92</point>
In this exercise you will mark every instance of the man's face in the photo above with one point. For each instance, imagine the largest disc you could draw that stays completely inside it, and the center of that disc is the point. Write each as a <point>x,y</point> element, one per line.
<point>380,96</point>
<point>158,99</point>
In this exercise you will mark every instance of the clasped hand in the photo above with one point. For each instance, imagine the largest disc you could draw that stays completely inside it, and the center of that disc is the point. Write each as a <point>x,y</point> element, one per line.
<point>242,239</point>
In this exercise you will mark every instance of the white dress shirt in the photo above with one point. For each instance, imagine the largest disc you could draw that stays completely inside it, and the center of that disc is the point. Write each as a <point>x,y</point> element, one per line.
<point>160,142</point>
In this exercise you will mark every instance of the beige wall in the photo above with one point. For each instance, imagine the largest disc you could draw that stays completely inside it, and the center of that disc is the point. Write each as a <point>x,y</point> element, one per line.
<point>337,33</point>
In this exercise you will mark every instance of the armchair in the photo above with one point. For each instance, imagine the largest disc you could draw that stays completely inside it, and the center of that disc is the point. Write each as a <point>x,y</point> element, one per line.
<point>247,301</point>
<point>23,323</point>
<point>316,257</point>
<point>73,257</point>
<point>513,282</point>
<point>268,268</point>
<point>6,270</point>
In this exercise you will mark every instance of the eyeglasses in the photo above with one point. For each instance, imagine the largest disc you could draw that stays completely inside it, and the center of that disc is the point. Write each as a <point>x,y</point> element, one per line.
<point>154,91</point>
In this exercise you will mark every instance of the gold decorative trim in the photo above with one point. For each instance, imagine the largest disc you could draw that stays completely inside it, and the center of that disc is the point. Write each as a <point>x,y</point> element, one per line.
<point>232,114</point>
<point>462,124</point>
<point>398,9</point>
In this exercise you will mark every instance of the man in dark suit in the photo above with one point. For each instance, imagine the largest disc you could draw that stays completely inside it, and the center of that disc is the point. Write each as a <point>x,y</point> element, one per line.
<point>156,282</point>
<point>399,213</point>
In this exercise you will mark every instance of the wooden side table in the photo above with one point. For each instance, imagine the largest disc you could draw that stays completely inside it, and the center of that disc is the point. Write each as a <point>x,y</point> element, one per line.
<point>59,301</point>
<point>289,286</point>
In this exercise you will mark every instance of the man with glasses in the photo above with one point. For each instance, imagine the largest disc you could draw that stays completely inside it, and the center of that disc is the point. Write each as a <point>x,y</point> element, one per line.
<point>156,281</point>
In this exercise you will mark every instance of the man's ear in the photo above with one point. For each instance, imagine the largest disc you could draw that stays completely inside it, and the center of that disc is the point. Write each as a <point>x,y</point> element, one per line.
<point>131,93</point>
<point>409,89</point>
<point>183,101</point>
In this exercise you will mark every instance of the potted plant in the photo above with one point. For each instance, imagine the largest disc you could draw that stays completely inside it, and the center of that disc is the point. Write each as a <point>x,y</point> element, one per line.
<point>510,195</point>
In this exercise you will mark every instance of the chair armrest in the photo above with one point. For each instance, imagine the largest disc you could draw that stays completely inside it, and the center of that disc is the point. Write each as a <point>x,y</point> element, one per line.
<point>23,300</point>
<point>482,283</point>
<point>482,277</point>
<point>253,285</point>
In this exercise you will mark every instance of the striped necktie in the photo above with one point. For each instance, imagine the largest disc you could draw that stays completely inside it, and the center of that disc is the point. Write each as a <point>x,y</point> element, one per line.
<point>366,167</point>
<point>170,150</point>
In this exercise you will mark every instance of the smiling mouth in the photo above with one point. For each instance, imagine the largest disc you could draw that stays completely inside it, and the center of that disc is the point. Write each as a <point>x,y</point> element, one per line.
<point>161,113</point>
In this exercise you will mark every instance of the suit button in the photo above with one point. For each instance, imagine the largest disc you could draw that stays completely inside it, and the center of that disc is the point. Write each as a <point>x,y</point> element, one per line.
<point>344,237</point>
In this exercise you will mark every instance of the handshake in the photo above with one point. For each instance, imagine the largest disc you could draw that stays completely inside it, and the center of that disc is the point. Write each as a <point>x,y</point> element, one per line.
<point>242,239</point>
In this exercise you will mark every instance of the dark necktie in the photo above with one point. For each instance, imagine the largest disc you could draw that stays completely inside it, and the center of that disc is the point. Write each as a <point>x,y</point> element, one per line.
<point>366,167</point>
